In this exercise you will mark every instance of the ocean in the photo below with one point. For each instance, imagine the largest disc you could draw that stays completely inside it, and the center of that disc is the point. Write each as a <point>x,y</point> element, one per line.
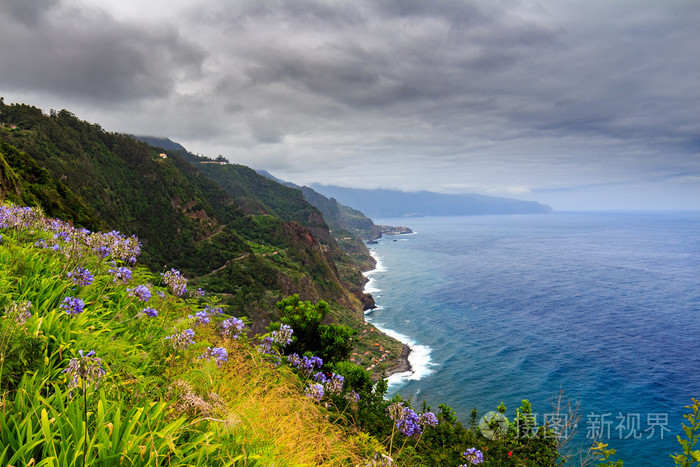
<point>604,307</point>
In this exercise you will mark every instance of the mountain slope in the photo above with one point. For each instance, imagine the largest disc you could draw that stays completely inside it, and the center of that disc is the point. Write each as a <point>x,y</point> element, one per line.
<point>242,250</point>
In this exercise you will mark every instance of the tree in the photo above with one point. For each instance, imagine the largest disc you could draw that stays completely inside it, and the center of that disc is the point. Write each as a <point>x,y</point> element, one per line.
<point>332,342</point>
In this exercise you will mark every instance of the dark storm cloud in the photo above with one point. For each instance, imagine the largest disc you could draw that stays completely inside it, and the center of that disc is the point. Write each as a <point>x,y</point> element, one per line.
<point>86,54</point>
<point>521,96</point>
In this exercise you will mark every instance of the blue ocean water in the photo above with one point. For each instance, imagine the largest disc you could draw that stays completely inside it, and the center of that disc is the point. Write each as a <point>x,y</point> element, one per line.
<point>605,307</point>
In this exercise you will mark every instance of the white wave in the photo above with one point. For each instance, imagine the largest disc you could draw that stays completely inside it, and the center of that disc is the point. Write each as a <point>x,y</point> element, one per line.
<point>419,356</point>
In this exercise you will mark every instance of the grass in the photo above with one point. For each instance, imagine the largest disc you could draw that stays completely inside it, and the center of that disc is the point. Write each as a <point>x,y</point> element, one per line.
<point>155,405</point>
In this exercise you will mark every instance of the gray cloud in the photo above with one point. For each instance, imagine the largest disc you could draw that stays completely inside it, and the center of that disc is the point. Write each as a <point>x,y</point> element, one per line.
<point>86,54</point>
<point>497,97</point>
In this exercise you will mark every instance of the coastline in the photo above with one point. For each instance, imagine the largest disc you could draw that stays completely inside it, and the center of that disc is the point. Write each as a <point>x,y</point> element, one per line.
<point>403,368</point>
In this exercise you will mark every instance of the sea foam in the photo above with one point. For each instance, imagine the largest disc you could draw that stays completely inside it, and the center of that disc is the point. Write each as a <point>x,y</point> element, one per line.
<point>419,356</point>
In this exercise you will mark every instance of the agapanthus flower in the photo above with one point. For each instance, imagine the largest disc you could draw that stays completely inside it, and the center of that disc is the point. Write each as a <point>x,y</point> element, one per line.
<point>219,354</point>
<point>152,312</point>
<point>85,370</point>
<point>199,292</point>
<point>406,420</point>
<point>141,292</point>
<point>314,391</point>
<point>201,316</point>
<point>72,306</point>
<point>17,217</point>
<point>19,311</point>
<point>305,364</point>
<point>232,327</point>
<point>334,384</point>
<point>428,419</point>
<point>265,345</point>
<point>81,276</point>
<point>320,377</point>
<point>352,397</point>
<point>176,281</point>
<point>474,456</point>
<point>182,340</point>
<point>214,311</point>
<point>283,336</point>
<point>121,274</point>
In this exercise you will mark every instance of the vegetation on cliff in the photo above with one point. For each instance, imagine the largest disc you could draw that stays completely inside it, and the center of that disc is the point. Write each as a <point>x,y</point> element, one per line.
<point>105,363</point>
<point>251,240</point>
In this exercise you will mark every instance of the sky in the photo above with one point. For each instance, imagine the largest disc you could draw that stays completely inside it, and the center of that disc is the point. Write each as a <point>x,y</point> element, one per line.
<point>579,104</point>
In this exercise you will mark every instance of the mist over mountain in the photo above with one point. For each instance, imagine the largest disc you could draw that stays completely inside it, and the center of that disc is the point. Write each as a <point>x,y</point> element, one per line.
<point>380,203</point>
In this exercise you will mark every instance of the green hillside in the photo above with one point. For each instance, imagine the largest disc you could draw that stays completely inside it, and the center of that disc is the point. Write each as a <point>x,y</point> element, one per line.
<point>253,245</point>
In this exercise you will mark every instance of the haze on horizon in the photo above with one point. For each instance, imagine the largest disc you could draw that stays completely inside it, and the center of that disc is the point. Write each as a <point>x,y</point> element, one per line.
<point>589,105</point>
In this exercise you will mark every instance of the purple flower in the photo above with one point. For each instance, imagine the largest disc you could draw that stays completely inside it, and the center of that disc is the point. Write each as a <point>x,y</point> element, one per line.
<point>219,354</point>
<point>334,384</point>
<point>428,419</point>
<point>305,364</point>
<point>232,327</point>
<point>405,419</point>
<point>474,456</point>
<point>19,311</point>
<point>85,371</point>
<point>283,336</point>
<point>81,276</point>
<point>176,281</point>
<point>202,317</point>
<point>141,292</point>
<point>72,306</point>
<point>266,345</point>
<point>314,391</point>
<point>320,377</point>
<point>121,274</point>
<point>213,311</point>
<point>352,397</point>
<point>152,312</point>
<point>182,340</point>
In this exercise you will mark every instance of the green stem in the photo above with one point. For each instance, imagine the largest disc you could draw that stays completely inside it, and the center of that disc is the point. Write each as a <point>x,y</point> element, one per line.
<point>86,428</point>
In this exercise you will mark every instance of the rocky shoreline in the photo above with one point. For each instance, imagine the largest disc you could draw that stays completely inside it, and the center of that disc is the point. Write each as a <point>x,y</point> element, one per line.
<point>403,364</point>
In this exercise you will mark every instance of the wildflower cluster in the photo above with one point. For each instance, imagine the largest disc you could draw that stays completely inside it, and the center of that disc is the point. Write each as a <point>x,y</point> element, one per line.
<point>408,422</point>
<point>232,328</point>
<point>16,217</point>
<point>86,369</point>
<point>182,340</point>
<point>333,384</point>
<point>81,276</point>
<point>204,316</point>
<point>152,312</point>
<point>116,245</point>
<point>120,274</point>
<point>314,391</point>
<point>72,306</point>
<point>283,336</point>
<point>219,354</point>
<point>201,316</point>
<point>266,345</point>
<point>72,241</point>
<point>141,292</point>
<point>176,281</point>
<point>352,397</point>
<point>473,456</point>
<point>19,311</point>
<point>304,364</point>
